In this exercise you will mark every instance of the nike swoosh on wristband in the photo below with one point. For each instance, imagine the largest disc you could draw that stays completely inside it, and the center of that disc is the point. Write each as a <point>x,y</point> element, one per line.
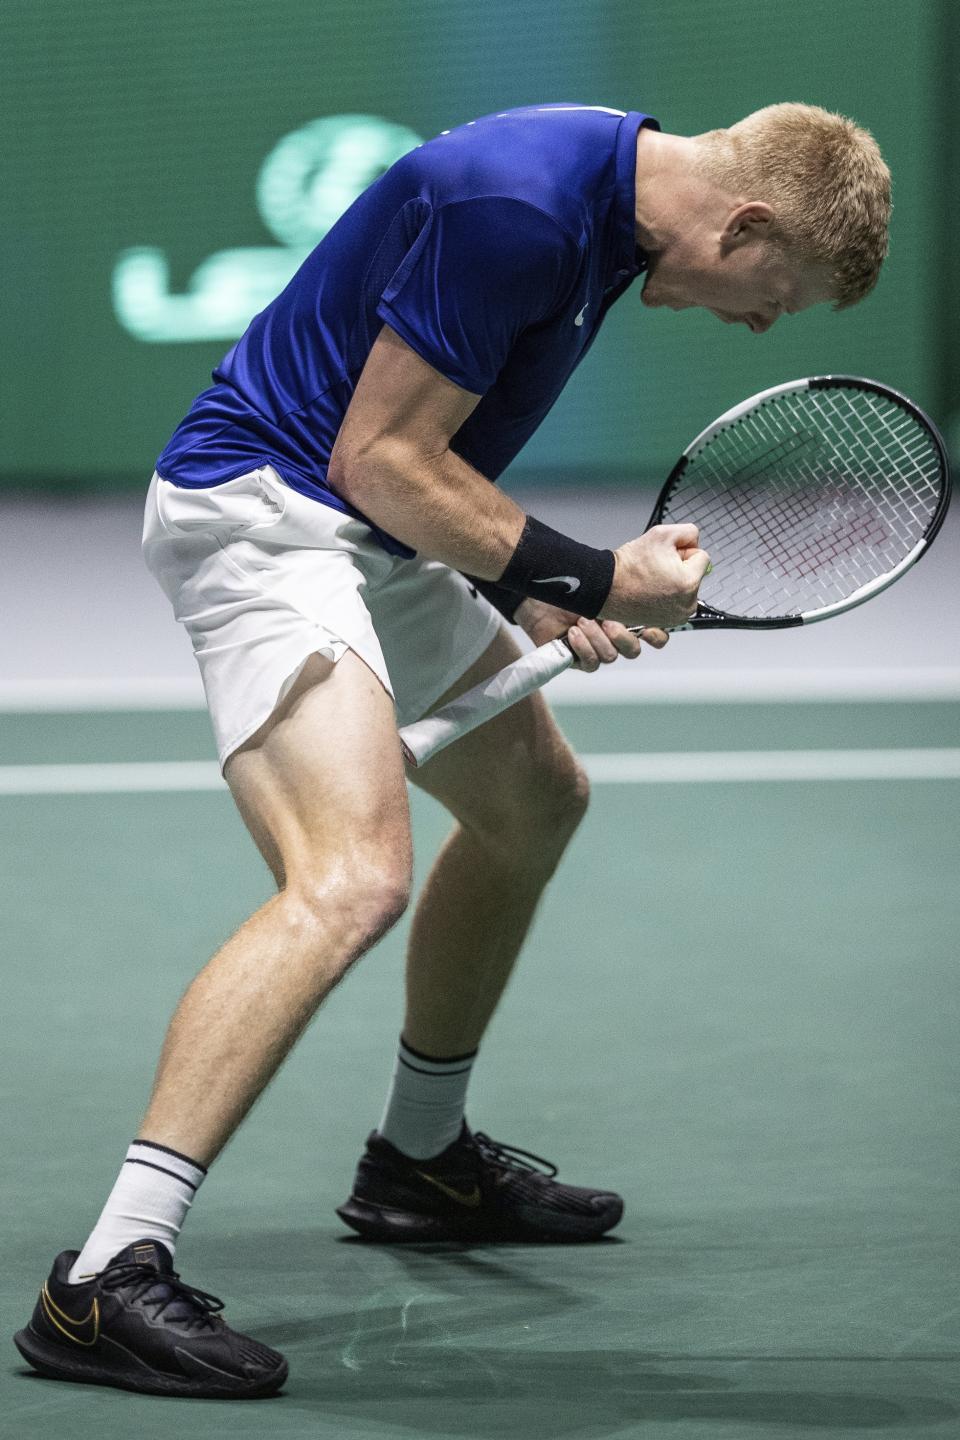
<point>471,1197</point>
<point>569,580</point>
<point>90,1322</point>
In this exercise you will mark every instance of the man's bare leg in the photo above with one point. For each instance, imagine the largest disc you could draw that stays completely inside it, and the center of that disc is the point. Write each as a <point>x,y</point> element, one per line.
<point>332,822</point>
<point>517,794</point>
<point>321,787</point>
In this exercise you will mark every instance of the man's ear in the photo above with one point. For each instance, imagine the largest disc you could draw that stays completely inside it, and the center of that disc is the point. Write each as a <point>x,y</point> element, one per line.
<point>749,221</point>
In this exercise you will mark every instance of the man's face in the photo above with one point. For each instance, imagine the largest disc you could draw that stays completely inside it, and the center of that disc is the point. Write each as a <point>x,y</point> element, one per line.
<point>741,276</point>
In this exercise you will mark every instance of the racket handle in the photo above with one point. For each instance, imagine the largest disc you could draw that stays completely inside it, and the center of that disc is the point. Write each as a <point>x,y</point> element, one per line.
<point>424,738</point>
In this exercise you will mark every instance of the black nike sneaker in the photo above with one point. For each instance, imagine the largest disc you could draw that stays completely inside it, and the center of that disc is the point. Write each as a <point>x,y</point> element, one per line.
<point>476,1189</point>
<point>138,1326</point>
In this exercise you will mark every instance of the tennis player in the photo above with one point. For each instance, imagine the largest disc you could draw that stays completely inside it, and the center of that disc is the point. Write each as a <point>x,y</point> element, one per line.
<point>324,524</point>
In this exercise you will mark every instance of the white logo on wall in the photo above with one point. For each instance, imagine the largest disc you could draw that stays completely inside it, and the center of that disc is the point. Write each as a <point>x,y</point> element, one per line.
<point>305,184</point>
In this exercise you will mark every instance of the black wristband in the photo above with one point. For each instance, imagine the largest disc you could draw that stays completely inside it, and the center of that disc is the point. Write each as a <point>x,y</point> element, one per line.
<point>502,599</point>
<point>549,566</point>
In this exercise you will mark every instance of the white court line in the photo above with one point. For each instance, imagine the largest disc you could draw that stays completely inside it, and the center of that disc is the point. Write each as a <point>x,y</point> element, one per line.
<point>620,684</point>
<point>121,779</point>
<point>75,696</point>
<point>698,767</point>
<point>626,684</point>
<point>668,767</point>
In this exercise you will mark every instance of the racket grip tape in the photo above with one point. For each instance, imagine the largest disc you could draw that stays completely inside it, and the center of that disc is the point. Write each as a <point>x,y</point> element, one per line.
<point>424,738</point>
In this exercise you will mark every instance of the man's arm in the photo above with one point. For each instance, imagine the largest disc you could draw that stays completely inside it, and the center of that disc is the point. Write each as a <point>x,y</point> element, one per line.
<point>392,459</point>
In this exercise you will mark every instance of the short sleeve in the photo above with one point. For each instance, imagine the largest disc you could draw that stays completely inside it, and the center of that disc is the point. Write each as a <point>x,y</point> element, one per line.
<point>480,272</point>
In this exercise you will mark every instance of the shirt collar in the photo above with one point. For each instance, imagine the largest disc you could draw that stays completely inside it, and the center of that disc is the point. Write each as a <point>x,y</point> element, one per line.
<point>627,259</point>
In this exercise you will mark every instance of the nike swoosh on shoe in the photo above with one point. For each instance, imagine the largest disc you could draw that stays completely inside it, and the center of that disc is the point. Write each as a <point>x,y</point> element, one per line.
<point>470,1198</point>
<point>81,1332</point>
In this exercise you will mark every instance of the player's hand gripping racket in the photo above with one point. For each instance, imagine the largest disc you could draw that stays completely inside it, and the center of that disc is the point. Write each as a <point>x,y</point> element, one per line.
<point>810,497</point>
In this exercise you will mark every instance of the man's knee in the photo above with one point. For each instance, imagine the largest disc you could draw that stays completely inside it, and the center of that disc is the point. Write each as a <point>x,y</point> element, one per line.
<point>537,810</point>
<point>352,899</point>
<point>564,795</point>
<point>567,797</point>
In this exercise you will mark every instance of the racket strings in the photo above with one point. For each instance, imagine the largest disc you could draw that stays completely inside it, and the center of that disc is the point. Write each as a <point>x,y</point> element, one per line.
<point>883,461</point>
<point>808,498</point>
<point>897,448</point>
<point>820,524</point>
<point>769,507</point>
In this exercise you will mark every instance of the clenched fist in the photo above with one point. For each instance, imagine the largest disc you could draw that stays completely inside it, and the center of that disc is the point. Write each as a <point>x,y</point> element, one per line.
<point>657,577</point>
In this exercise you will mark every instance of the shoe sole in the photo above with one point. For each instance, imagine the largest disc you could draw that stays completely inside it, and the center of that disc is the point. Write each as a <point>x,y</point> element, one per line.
<point>380,1222</point>
<point>50,1361</point>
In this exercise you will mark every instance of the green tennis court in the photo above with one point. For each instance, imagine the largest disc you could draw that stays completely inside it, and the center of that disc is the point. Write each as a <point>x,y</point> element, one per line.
<point>739,1007</point>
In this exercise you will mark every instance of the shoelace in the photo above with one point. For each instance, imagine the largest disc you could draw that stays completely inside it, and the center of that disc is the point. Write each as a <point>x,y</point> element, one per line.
<point>511,1157</point>
<point>197,1307</point>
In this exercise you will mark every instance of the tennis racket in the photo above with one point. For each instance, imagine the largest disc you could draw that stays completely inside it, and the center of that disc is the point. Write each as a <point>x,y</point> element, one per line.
<point>810,498</point>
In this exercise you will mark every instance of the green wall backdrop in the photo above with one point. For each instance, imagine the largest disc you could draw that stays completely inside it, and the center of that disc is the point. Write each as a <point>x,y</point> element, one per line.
<point>136,137</point>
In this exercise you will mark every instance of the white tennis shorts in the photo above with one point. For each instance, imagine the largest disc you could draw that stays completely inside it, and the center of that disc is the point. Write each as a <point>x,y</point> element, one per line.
<point>262,577</point>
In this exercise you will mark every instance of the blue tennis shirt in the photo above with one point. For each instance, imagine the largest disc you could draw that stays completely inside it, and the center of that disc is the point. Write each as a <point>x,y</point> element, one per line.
<point>494,250</point>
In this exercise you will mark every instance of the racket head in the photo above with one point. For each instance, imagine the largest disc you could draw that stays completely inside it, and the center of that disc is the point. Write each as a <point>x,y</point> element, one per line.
<point>811,497</point>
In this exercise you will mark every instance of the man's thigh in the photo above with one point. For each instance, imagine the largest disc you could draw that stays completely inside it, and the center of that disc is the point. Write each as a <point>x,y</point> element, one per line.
<point>513,774</point>
<point>321,783</point>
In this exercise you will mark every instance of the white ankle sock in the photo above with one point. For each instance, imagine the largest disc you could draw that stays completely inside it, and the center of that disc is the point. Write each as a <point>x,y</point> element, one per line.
<point>424,1110</point>
<point>153,1193</point>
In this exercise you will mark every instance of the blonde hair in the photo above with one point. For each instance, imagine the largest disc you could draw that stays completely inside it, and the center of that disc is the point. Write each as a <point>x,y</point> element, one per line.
<point>824,178</point>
